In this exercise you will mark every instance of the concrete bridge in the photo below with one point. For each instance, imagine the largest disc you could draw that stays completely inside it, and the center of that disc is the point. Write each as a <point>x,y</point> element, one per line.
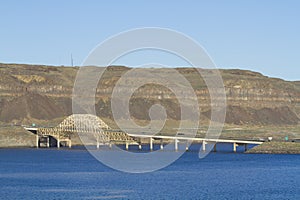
<point>97,129</point>
<point>187,140</point>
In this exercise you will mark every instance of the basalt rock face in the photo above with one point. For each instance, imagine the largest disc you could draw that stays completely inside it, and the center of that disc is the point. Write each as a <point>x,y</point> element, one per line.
<point>33,93</point>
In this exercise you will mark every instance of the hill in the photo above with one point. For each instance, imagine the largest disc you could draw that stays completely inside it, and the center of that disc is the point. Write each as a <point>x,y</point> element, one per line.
<point>42,94</point>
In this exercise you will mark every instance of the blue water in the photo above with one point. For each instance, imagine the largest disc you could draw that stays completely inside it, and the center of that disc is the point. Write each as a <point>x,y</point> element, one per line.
<point>75,174</point>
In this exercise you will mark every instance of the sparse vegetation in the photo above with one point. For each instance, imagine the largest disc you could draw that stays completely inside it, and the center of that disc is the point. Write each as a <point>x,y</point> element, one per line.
<point>258,106</point>
<point>277,148</point>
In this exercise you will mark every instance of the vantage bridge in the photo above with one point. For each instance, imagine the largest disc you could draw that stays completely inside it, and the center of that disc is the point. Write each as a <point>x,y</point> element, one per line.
<point>95,131</point>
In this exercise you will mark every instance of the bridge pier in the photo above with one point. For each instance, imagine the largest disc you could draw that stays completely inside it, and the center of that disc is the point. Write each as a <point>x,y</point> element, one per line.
<point>187,145</point>
<point>140,146</point>
<point>127,146</point>
<point>70,143</point>
<point>151,144</point>
<point>161,144</point>
<point>48,141</point>
<point>58,143</point>
<point>234,146</point>
<point>176,144</point>
<point>37,141</point>
<point>246,147</point>
<point>203,145</point>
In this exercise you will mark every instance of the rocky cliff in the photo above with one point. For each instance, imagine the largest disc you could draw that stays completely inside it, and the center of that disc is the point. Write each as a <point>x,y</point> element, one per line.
<point>34,93</point>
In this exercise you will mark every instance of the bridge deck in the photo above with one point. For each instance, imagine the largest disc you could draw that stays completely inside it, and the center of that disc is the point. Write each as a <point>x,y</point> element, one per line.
<point>195,139</point>
<point>91,125</point>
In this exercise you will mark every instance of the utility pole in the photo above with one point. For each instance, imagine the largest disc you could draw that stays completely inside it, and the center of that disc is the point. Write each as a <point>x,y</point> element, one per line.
<point>71,60</point>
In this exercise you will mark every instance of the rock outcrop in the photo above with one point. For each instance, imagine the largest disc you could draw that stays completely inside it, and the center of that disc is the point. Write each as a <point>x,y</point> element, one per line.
<point>34,92</point>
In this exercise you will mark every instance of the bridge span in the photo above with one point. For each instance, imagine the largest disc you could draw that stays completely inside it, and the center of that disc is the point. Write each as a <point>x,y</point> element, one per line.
<point>93,127</point>
<point>204,141</point>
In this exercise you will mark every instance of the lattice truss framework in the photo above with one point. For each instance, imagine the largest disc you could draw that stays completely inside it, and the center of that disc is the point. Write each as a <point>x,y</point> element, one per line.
<point>82,124</point>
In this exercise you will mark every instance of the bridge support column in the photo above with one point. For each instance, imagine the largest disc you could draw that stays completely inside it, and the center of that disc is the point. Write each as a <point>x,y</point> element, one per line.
<point>161,144</point>
<point>176,144</point>
<point>58,143</point>
<point>203,145</point>
<point>70,143</point>
<point>246,147</point>
<point>187,145</point>
<point>110,145</point>
<point>97,142</point>
<point>151,144</point>
<point>140,146</point>
<point>48,141</point>
<point>234,146</point>
<point>127,146</point>
<point>37,141</point>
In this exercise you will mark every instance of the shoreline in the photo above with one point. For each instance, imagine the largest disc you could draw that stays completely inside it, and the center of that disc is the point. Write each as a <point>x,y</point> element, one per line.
<point>288,148</point>
<point>276,148</point>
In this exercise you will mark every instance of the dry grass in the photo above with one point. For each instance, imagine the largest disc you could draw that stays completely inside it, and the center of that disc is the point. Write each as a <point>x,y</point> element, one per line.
<point>277,148</point>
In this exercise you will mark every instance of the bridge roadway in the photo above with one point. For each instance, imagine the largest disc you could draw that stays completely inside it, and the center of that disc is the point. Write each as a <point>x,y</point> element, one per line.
<point>204,141</point>
<point>162,138</point>
<point>94,127</point>
<point>35,130</point>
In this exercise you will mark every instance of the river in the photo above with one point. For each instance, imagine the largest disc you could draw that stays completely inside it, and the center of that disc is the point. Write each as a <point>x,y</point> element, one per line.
<point>75,174</point>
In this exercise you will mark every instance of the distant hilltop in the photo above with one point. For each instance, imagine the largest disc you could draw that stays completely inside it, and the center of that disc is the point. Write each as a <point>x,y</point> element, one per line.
<point>34,93</point>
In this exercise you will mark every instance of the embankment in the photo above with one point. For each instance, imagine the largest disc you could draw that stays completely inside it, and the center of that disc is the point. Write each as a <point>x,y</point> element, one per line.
<point>276,148</point>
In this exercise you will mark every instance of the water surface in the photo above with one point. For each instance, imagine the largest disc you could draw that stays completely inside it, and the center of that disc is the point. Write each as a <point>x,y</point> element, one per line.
<point>75,174</point>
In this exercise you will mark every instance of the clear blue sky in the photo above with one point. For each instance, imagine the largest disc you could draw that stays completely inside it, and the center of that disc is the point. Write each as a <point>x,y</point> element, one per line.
<point>262,35</point>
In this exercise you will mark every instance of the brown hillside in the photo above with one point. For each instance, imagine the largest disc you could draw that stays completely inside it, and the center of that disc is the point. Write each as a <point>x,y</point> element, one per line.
<point>35,92</point>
